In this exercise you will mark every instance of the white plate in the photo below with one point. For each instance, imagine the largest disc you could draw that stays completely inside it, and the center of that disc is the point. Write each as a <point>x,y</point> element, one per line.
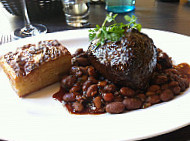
<point>39,117</point>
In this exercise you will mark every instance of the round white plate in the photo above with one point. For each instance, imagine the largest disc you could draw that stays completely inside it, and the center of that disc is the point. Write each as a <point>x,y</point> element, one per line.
<point>39,117</point>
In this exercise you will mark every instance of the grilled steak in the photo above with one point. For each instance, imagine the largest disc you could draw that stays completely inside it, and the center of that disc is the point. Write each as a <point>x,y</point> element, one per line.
<point>128,62</point>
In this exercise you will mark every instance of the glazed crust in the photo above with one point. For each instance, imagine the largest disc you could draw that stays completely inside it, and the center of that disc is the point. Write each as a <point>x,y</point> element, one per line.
<point>33,67</point>
<point>129,62</point>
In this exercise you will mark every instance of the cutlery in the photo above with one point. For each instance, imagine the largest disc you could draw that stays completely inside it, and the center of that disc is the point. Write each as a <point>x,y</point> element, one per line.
<point>5,39</point>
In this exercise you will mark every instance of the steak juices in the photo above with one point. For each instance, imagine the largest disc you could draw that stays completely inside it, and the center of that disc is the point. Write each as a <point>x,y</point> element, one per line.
<point>116,76</point>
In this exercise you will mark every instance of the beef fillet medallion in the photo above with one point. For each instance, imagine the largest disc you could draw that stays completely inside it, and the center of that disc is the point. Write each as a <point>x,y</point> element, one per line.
<point>128,62</point>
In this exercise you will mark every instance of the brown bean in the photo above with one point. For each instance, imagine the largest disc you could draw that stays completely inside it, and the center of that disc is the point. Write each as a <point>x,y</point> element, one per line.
<point>83,78</point>
<point>158,91</point>
<point>153,99</point>
<point>97,102</point>
<point>92,79</point>
<point>110,88</point>
<point>75,70</point>
<point>116,93</point>
<point>102,83</point>
<point>92,90</point>
<point>86,85</point>
<point>173,84</point>
<point>172,71</point>
<point>82,61</point>
<point>108,97</point>
<point>79,73</point>
<point>118,98</point>
<point>165,59</point>
<point>77,106</point>
<point>164,86</point>
<point>127,91</point>
<point>79,51</point>
<point>166,95</point>
<point>69,97</point>
<point>158,66</point>
<point>132,103</point>
<point>68,81</point>
<point>91,71</point>
<point>77,84</point>
<point>176,90</point>
<point>75,89</point>
<point>186,82</point>
<point>148,93</point>
<point>161,79</point>
<point>142,97</point>
<point>182,84</point>
<point>84,70</point>
<point>115,107</point>
<point>84,54</point>
<point>154,88</point>
<point>79,98</point>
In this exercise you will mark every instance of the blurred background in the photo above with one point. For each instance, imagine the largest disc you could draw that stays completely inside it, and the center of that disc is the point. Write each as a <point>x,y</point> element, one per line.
<point>156,14</point>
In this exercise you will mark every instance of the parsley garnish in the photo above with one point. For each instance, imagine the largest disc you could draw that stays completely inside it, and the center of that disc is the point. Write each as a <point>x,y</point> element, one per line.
<point>113,32</point>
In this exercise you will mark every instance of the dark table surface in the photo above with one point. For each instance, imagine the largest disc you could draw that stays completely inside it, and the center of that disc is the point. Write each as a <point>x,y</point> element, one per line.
<point>168,16</point>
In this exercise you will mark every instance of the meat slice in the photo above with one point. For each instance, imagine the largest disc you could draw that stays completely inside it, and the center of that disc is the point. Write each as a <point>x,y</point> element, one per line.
<point>128,62</point>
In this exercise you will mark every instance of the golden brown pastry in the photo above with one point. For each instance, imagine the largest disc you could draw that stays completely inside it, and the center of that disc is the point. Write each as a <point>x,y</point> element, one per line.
<point>33,67</point>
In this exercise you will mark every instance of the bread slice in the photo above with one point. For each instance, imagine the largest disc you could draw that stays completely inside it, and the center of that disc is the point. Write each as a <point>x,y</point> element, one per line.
<point>33,67</point>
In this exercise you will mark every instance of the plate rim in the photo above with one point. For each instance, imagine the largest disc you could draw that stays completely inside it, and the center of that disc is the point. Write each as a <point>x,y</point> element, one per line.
<point>49,35</point>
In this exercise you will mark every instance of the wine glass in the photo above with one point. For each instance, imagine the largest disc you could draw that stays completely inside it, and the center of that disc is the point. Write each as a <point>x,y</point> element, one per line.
<point>29,29</point>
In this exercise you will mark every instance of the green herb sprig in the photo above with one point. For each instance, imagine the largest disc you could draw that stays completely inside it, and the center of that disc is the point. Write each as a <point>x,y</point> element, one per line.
<point>132,22</point>
<point>113,32</point>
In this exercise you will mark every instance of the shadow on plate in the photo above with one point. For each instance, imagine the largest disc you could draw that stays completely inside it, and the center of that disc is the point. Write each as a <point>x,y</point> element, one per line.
<point>45,92</point>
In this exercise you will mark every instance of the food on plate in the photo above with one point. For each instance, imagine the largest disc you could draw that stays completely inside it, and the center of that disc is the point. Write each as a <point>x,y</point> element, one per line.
<point>86,91</point>
<point>128,62</point>
<point>121,71</point>
<point>33,67</point>
<point>122,54</point>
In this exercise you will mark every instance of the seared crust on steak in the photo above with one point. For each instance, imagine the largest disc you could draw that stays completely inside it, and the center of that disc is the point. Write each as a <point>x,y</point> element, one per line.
<point>128,62</point>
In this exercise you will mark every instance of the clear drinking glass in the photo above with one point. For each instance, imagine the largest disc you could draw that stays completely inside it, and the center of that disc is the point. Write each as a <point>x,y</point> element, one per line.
<point>29,29</point>
<point>76,12</point>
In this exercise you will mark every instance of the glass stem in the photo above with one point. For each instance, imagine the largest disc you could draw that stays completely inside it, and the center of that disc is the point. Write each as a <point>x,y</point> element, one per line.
<point>26,18</point>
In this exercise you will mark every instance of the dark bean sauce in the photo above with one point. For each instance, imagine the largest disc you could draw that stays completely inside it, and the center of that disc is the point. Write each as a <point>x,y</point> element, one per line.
<point>85,91</point>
